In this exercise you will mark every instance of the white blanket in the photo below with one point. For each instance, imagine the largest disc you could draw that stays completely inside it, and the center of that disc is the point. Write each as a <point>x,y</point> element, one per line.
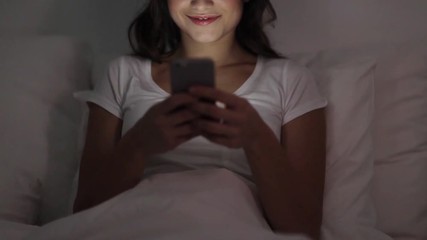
<point>15,231</point>
<point>201,204</point>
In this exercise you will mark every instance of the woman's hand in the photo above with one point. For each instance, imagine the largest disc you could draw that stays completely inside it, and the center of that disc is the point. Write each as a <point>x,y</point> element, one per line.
<point>234,126</point>
<point>166,125</point>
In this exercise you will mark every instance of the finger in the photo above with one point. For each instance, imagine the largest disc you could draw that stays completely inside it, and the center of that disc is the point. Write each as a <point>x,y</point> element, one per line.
<point>176,101</point>
<point>179,136</point>
<point>230,100</point>
<point>185,130</point>
<point>182,116</point>
<point>212,111</point>
<point>215,128</point>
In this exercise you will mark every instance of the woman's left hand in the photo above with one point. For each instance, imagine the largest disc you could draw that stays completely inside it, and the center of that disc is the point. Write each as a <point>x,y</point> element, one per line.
<point>235,126</point>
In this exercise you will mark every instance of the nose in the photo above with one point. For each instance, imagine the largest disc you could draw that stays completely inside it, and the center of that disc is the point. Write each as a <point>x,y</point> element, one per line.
<point>201,4</point>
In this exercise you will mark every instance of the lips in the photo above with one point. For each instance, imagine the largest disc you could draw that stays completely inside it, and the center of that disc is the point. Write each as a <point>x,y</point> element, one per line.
<point>203,20</point>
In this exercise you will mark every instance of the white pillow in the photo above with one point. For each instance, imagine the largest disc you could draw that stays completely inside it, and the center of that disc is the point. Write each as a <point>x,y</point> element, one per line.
<point>347,80</point>
<point>39,125</point>
<point>400,182</point>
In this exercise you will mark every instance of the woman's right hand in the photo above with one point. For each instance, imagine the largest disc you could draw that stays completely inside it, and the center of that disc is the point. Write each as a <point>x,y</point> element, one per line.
<point>166,125</point>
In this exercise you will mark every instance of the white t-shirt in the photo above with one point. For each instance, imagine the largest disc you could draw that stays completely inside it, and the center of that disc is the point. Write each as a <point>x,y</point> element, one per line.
<point>279,89</point>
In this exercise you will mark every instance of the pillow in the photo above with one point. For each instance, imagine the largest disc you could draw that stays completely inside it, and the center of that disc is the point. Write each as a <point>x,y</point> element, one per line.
<point>400,181</point>
<point>347,80</point>
<point>39,125</point>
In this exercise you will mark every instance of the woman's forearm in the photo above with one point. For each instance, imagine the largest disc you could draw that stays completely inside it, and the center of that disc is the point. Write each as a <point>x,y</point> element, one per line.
<point>291,198</point>
<point>120,170</point>
<point>112,164</point>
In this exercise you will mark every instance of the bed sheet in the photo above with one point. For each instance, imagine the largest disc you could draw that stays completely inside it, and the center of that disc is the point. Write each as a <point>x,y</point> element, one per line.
<point>198,204</point>
<point>15,231</point>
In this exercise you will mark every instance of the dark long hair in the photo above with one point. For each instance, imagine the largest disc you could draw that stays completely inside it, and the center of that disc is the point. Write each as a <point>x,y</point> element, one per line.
<point>153,34</point>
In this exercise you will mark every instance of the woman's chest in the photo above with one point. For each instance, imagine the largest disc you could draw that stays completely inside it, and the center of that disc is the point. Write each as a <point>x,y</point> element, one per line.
<point>143,95</point>
<point>227,79</point>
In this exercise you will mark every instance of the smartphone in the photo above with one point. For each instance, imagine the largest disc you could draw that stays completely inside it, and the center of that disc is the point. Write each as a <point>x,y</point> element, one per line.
<point>189,72</point>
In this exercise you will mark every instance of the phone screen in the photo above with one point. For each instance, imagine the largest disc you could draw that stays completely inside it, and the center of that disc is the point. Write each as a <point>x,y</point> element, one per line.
<point>186,73</point>
<point>189,72</point>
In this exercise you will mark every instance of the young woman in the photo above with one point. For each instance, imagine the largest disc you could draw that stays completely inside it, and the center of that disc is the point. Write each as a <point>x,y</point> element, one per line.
<point>272,131</point>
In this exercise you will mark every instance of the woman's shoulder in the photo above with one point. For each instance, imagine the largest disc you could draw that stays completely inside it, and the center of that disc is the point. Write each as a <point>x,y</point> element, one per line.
<point>286,67</point>
<point>126,66</point>
<point>284,62</point>
<point>128,62</point>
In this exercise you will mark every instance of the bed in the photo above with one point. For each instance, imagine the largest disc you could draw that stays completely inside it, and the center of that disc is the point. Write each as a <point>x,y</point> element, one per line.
<point>376,181</point>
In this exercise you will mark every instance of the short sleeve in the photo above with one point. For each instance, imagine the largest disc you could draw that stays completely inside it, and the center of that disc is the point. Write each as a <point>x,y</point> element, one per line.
<point>108,92</point>
<point>302,93</point>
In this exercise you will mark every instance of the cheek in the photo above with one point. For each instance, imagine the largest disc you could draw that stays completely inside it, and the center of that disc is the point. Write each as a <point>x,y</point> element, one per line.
<point>173,3</point>
<point>236,7</point>
<point>174,8</point>
<point>234,20</point>
<point>176,5</point>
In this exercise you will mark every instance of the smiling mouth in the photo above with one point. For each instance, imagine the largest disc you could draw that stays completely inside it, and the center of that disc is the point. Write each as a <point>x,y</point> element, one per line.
<point>203,20</point>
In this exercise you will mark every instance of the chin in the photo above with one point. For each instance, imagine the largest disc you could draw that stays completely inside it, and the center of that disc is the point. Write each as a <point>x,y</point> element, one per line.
<point>206,39</point>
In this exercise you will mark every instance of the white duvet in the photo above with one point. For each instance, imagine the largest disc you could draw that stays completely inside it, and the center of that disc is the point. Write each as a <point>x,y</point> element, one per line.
<point>202,204</point>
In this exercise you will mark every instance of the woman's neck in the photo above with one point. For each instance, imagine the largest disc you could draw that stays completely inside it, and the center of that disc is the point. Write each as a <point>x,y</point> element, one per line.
<point>223,52</point>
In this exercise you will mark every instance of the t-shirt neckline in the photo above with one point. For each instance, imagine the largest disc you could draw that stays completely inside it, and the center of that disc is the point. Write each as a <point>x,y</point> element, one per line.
<point>238,91</point>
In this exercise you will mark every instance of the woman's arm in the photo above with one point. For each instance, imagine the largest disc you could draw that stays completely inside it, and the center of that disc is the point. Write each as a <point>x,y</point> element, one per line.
<point>289,174</point>
<point>112,164</point>
<point>102,174</point>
